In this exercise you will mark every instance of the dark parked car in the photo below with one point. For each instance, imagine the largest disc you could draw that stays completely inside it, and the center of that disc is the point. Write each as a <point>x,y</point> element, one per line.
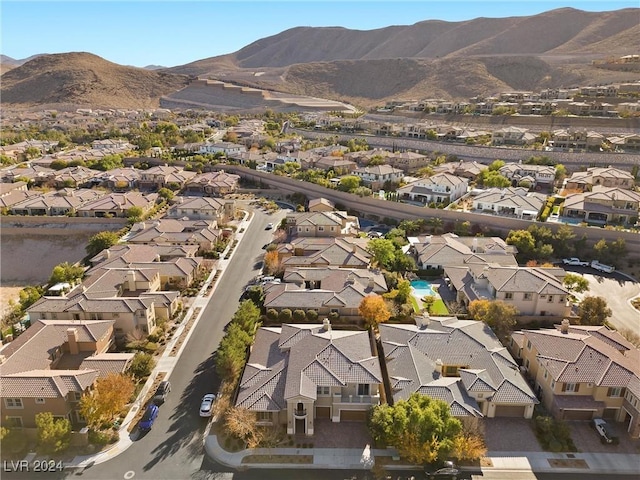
<point>150,415</point>
<point>450,472</point>
<point>161,394</point>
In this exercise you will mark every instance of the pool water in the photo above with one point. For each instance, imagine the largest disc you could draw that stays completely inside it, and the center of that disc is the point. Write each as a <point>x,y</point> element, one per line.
<point>422,288</point>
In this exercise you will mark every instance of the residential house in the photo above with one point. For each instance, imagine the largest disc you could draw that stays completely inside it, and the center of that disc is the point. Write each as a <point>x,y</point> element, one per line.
<point>113,145</point>
<point>203,208</point>
<point>51,365</point>
<point>533,291</point>
<point>171,231</point>
<point>628,142</point>
<point>512,136</point>
<point>513,201</point>
<point>321,205</point>
<point>603,205</point>
<point>536,175</point>
<point>375,177</point>
<point>458,361</point>
<point>132,298</point>
<point>408,161</point>
<point>600,176</point>
<point>74,177</point>
<point>326,290</point>
<point>338,164</point>
<point>120,179</point>
<point>322,224</point>
<point>347,252</point>
<point>216,183</point>
<point>468,170</point>
<point>62,202</point>
<point>144,253</point>
<point>577,140</point>
<point>165,176</point>
<point>583,372</point>
<point>32,173</point>
<point>437,252</point>
<point>227,148</point>
<point>118,205</point>
<point>439,188</point>
<point>297,375</point>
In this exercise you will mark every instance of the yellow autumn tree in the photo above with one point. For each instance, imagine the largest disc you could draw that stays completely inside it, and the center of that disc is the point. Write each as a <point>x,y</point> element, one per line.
<point>468,447</point>
<point>107,400</point>
<point>272,262</point>
<point>373,310</point>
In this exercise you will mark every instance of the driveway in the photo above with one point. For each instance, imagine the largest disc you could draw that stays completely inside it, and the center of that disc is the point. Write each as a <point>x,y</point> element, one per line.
<point>510,435</point>
<point>586,439</point>
<point>617,290</point>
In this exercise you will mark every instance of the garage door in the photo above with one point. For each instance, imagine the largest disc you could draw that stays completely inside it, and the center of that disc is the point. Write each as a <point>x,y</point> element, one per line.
<point>578,414</point>
<point>323,412</point>
<point>510,410</point>
<point>353,416</point>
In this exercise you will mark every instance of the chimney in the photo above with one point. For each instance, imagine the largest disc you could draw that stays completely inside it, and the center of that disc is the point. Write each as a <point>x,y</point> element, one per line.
<point>372,284</point>
<point>131,281</point>
<point>423,320</point>
<point>107,254</point>
<point>72,337</point>
<point>564,326</point>
<point>354,248</point>
<point>326,325</point>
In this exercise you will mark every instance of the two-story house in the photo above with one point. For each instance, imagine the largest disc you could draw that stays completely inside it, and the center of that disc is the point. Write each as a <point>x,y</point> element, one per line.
<point>51,365</point>
<point>603,205</point>
<point>439,188</point>
<point>347,252</point>
<point>512,136</point>
<point>583,372</point>
<point>537,175</point>
<point>229,149</point>
<point>376,176</point>
<point>600,176</point>
<point>301,375</point>
<point>532,291</point>
<point>164,176</point>
<point>458,361</point>
<point>336,223</point>
<point>216,183</point>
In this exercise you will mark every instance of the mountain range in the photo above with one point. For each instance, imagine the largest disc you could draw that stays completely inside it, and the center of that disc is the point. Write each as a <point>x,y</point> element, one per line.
<point>454,60</point>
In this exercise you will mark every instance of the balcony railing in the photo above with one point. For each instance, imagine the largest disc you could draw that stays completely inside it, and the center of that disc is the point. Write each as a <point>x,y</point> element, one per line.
<point>361,399</point>
<point>300,413</point>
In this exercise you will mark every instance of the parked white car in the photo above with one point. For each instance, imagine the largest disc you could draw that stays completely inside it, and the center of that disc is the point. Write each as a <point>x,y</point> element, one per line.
<point>601,267</point>
<point>206,407</point>
<point>575,261</point>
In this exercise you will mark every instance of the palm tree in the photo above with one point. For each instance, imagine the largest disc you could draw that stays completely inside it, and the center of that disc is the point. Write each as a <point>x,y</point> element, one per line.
<point>436,224</point>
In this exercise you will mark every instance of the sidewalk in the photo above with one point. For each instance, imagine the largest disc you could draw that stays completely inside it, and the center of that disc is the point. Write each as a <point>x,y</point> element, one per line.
<point>353,459</point>
<point>166,362</point>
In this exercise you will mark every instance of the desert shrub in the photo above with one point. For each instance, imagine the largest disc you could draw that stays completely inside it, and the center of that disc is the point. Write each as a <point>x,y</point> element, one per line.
<point>272,314</point>
<point>312,316</point>
<point>285,315</point>
<point>299,315</point>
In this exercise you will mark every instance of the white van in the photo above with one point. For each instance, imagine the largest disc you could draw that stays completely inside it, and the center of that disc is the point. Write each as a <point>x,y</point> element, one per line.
<point>601,267</point>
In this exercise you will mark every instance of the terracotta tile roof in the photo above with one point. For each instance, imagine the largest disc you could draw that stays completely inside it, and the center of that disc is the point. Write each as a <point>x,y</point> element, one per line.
<point>46,383</point>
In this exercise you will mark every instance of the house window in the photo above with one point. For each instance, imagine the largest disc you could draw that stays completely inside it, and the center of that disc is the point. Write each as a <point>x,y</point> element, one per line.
<point>334,310</point>
<point>264,416</point>
<point>561,299</point>
<point>13,402</point>
<point>528,344</point>
<point>570,387</point>
<point>40,400</point>
<point>614,392</point>
<point>528,296</point>
<point>508,296</point>
<point>322,390</point>
<point>550,298</point>
<point>545,374</point>
<point>320,228</point>
<point>13,422</point>
<point>363,389</point>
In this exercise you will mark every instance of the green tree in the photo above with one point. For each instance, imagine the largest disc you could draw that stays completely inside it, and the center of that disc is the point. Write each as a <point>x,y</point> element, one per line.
<point>29,295</point>
<point>232,352</point>
<point>247,316</point>
<point>142,365</point>
<point>500,316</point>
<point>575,283</point>
<point>166,194</point>
<point>421,428</point>
<point>561,172</point>
<point>134,214</point>
<point>54,435</point>
<point>496,165</point>
<point>593,311</point>
<point>404,291</point>
<point>490,178</point>
<point>66,272</point>
<point>101,241</point>
<point>523,240</point>
<point>349,183</point>
<point>383,251</point>
<point>563,241</point>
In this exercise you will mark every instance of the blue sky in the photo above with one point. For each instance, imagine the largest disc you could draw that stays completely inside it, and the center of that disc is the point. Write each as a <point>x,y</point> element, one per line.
<point>171,33</point>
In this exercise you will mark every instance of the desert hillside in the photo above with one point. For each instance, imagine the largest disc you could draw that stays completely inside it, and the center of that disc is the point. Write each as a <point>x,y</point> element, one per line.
<point>85,79</point>
<point>453,60</point>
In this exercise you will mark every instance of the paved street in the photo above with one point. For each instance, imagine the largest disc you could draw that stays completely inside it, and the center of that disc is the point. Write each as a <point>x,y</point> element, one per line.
<point>173,449</point>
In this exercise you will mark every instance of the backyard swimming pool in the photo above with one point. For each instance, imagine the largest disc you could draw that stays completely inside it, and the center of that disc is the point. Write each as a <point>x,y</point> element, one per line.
<point>422,288</point>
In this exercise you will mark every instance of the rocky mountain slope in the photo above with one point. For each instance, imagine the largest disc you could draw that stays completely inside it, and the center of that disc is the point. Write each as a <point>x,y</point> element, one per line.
<point>453,60</point>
